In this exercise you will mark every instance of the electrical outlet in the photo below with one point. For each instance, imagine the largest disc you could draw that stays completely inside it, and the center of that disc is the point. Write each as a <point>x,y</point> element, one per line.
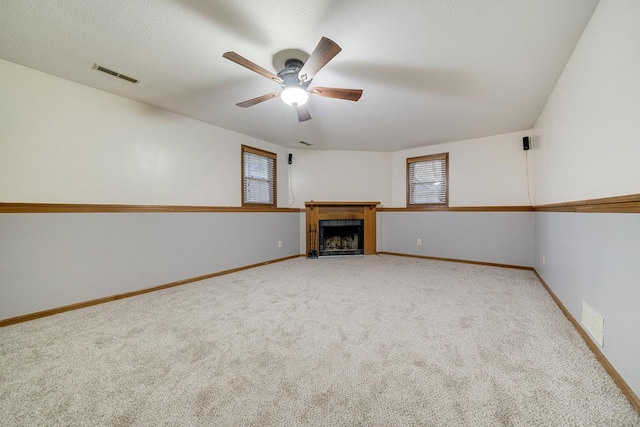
<point>419,242</point>
<point>279,243</point>
<point>544,259</point>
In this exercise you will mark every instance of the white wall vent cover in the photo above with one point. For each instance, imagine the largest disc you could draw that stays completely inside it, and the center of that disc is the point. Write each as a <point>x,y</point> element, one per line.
<point>593,323</point>
<point>115,73</point>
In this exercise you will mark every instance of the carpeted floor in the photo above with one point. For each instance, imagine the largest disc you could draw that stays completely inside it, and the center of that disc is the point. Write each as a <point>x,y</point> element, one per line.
<point>373,341</point>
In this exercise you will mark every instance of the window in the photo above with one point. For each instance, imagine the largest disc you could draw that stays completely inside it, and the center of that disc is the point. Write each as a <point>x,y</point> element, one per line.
<point>258,177</point>
<point>427,180</point>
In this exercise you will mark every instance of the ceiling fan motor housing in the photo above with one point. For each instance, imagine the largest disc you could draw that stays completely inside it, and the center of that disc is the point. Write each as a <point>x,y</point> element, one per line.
<point>289,74</point>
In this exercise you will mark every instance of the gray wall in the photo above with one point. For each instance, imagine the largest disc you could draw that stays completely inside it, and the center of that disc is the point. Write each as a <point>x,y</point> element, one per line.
<point>595,257</point>
<point>53,260</point>
<point>495,237</point>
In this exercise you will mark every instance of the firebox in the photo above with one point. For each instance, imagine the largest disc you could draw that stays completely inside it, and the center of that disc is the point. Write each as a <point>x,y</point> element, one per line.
<point>341,237</point>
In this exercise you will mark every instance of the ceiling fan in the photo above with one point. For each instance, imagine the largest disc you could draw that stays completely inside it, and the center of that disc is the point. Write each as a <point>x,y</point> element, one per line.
<point>296,77</point>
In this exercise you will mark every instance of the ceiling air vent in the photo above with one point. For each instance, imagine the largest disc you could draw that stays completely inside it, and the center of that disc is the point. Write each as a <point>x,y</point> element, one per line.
<point>115,73</point>
<point>308,144</point>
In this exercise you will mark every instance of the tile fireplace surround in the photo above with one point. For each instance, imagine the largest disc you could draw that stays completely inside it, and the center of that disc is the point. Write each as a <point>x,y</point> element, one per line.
<point>366,211</point>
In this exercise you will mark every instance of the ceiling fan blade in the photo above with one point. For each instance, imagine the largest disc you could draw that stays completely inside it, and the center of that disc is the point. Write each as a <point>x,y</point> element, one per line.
<point>258,100</point>
<point>240,60</point>
<point>322,54</point>
<point>303,113</point>
<point>334,92</point>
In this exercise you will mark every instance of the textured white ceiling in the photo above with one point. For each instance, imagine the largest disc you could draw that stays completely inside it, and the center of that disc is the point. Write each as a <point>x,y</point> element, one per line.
<point>432,71</point>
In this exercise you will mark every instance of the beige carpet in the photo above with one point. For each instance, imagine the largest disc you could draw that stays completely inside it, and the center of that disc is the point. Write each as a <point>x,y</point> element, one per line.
<point>372,341</point>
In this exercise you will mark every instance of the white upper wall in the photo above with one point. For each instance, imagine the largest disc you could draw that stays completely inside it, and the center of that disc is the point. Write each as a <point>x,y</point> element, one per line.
<point>587,140</point>
<point>62,142</point>
<point>323,175</point>
<point>490,171</point>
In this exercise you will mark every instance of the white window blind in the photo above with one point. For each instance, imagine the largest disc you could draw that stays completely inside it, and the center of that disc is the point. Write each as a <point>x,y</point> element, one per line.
<point>258,176</point>
<point>427,180</point>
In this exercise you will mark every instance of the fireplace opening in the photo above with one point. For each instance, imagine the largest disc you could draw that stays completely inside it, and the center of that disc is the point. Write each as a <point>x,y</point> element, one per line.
<point>341,237</point>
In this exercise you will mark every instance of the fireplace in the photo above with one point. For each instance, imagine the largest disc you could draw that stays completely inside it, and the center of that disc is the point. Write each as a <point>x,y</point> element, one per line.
<point>341,237</point>
<point>340,228</point>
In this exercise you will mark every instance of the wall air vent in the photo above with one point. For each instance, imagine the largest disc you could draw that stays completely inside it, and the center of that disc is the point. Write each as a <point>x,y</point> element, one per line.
<point>115,73</point>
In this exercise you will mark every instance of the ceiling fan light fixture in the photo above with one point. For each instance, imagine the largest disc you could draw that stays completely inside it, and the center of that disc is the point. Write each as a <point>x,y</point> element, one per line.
<point>294,96</point>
